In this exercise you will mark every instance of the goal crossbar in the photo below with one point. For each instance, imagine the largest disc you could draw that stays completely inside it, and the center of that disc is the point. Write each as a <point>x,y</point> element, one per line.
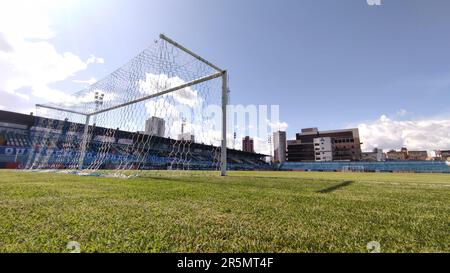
<point>167,39</point>
<point>170,90</point>
<point>61,109</point>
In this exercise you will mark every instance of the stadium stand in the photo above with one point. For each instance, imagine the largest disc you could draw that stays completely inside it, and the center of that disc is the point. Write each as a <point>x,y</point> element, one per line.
<point>18,130</point>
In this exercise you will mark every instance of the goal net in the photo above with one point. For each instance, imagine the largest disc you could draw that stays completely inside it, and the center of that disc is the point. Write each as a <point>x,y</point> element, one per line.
<point>160,111</point>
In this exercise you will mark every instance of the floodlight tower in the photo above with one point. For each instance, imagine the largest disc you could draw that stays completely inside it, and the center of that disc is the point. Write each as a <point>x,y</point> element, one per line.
<point>98,103</point>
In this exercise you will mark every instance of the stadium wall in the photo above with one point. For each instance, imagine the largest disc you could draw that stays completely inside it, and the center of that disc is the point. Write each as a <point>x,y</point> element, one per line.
<point>387,166</point>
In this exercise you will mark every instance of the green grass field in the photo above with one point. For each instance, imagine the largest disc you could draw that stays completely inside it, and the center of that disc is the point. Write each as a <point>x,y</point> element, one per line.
<point>245,212</point>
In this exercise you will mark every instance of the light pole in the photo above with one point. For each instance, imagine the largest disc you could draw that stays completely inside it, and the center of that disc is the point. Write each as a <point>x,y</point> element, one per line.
<point>269,141</point>
<point>98,103</point>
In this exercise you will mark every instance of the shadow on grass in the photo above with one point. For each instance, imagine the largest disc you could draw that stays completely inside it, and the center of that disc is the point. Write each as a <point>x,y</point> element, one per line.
<point>335,187</point>
<point>163,178</point>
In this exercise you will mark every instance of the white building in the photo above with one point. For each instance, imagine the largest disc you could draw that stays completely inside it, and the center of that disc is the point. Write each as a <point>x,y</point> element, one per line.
<point>279,147</point>
<point>323,149</point>
<point>155,126</point>
<point>186,137</point>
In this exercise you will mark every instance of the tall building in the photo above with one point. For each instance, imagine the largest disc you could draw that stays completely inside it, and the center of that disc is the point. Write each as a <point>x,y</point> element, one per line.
<point>155,126</point>
<point>345,145</point>
<point>279,146</point>
<point>247,144</point>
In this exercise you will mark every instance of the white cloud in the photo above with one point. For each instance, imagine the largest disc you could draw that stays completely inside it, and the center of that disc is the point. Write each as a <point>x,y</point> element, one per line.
<point>262,146</point>
<point>421,134</point>
<point>95,60</point>
<point>91,81</point>
<point>27,59</point>
<point>162,108</point>
<point>157,83</point>
<point>402,113</point>
<point>30,19</point>
<point>278,126</point>
<point>18,94</point>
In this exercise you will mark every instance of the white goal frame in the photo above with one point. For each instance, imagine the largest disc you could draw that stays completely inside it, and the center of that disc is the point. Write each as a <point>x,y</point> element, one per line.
<point>219,73</point>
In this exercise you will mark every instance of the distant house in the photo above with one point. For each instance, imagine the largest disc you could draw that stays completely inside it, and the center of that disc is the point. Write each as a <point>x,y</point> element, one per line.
<point>397,155</point>
<point>417,155</point>
<point>404,154</point>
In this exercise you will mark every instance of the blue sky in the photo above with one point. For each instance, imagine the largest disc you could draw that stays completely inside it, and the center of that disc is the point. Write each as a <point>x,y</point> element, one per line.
<point>328,64</point>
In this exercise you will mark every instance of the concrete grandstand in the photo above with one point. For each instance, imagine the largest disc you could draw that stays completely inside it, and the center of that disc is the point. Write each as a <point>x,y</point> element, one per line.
<point>18,130</point>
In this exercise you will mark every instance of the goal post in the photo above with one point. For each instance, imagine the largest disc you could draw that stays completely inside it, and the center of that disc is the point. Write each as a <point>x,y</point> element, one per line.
<point>158,89</point>
<point>223,166</point>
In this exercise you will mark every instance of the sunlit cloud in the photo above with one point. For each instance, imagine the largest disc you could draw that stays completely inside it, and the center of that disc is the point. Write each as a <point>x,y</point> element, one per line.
<point>95,60</point>
<point>420,134</point>
<point>157,83</point>
<point>278,126</point>
<point>91,81</point>
<point>29,62</point>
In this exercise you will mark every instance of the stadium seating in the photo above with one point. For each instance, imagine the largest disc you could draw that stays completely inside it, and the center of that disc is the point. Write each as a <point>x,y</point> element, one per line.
<point>16,138</point>
<point>159,156</point>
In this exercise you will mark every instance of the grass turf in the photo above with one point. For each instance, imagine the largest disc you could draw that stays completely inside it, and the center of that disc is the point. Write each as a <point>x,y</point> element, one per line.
<point>245,212</point>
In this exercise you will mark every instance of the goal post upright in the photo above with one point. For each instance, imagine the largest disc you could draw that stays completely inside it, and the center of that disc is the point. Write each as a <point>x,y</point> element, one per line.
<point>223,150</point>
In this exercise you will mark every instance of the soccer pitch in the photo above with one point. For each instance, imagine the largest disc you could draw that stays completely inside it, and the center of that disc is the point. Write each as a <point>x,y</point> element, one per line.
<point>244,212</point>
